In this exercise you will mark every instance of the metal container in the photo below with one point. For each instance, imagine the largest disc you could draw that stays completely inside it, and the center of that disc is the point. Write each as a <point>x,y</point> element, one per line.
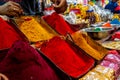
<point>98,33</point>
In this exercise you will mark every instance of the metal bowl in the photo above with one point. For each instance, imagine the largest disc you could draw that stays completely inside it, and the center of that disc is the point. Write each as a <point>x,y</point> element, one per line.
<point>98,33</point>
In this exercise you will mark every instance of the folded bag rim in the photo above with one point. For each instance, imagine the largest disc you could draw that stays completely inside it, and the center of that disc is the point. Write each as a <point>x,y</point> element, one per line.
<point>12,24</point>
<point>15,26</point>
<point>51,63</point>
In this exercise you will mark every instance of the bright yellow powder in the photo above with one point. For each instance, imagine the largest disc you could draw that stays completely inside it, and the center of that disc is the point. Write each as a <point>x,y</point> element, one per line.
<point>35,31</point>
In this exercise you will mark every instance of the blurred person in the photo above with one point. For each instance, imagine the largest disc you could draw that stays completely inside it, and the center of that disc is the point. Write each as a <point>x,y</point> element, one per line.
<point>10,8</point>
<point>30,7</point>
<point>60,5</point>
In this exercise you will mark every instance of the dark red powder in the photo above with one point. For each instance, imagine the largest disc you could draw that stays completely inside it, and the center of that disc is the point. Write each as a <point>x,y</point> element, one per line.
<point>58,23</point>
<point>22,62</point>
<point>7,35</point>
<point>67,57</point>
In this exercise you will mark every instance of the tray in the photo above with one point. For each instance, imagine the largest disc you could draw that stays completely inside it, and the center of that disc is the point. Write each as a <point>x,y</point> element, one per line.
<point>111,45</point>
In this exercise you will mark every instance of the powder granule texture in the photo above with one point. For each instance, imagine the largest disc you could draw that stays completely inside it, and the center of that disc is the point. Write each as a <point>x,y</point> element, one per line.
<point>22,62</point>
<point>35,31</point>
<point>89,46</point>
<point>8,35</point>
<point>58,24</point>
<point>67,57</point>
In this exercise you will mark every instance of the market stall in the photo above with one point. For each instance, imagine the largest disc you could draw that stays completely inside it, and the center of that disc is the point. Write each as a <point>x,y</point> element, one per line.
<point>83,43</point>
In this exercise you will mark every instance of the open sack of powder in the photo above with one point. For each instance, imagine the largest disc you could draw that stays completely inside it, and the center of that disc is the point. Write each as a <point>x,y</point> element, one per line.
<point>22,62</point>
<point>34,28</point>
<point>68,57</point>
<point>91,47</point>
<point>9,34</point>
<point>58,23</point>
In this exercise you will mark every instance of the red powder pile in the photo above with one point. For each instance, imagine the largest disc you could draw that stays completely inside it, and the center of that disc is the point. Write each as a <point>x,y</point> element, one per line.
<point>73,61</point>
<point>7,35</point>
<point>58,23</point>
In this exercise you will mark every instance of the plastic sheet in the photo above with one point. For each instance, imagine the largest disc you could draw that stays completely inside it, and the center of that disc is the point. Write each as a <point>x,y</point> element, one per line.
<point>99,73</point>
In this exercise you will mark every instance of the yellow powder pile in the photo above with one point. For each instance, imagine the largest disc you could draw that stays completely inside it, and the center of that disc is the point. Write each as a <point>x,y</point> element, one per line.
<point>34,31</point>
<point>89,46</point>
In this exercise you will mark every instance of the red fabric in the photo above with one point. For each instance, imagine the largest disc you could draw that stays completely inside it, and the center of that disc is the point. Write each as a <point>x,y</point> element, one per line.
<point>23,62</point>
<point>7,35</point>
<point>58,23</point>
<point>68,58</point>
<point>117,8</point>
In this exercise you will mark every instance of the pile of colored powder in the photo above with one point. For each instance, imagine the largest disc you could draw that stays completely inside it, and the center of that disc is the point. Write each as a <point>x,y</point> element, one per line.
<point>58,23</point>
<point>35,31</point>
<point>70,59</point>
<point>22,62</point>
<point>91,47</point>
<point>107,25</point>
<point>8,35</point>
